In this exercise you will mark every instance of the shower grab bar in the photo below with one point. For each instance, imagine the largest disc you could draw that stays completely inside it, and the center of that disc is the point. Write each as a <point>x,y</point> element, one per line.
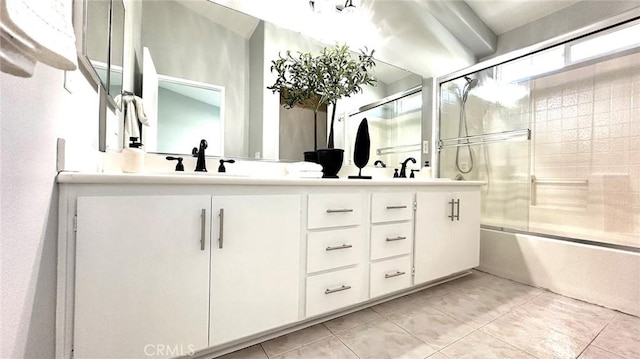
<point>485,138</point>
<point>559,180</point>
<point>398,149</point>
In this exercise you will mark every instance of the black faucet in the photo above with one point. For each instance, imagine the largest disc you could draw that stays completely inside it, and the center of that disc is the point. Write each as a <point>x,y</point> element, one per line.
<point>403,169</point>
<point>222,162</point>
<point>201,165</point>
<point>379,162</point>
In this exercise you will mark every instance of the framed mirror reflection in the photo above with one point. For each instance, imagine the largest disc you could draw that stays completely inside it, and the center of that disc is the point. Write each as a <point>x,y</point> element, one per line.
<point>203,42</point>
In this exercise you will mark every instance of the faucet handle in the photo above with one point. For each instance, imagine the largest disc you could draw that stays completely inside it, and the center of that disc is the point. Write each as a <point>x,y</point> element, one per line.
<point>179,165</point>
<point>221,168</point>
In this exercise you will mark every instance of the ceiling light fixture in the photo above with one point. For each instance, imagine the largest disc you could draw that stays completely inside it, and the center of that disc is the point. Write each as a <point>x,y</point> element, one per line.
<point>320,6</point>
<point>348,7</point>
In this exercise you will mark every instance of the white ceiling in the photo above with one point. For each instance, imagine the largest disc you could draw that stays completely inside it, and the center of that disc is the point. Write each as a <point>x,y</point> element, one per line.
<point>504,15</point>
<point>406,33</point>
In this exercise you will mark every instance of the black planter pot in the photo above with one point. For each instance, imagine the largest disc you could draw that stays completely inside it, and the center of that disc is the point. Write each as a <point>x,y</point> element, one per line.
<point>331,161</point>
<point>311,156</point>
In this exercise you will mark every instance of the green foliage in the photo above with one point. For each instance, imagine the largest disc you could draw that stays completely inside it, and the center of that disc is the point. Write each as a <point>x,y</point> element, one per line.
<point>330,75</point>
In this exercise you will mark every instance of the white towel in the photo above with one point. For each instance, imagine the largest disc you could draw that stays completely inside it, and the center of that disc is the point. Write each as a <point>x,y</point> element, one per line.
<point>133,113</point>
<point>36,30</point>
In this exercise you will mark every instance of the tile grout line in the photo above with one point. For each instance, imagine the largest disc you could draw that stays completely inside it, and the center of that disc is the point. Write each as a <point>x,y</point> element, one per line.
<point>300,346</point>
<point>512,345</point>
<point>596,337</point>
<point>347,346</point>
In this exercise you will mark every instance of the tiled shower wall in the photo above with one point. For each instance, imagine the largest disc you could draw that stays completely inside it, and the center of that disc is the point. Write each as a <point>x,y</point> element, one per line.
<point>586,152</point>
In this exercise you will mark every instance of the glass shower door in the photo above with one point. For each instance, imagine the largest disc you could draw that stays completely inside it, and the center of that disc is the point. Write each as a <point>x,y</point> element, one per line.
<point>484,135</point>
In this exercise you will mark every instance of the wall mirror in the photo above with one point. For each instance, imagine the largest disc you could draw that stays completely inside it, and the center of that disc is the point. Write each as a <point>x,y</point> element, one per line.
<point>103,43</point>
<point>206,43</point>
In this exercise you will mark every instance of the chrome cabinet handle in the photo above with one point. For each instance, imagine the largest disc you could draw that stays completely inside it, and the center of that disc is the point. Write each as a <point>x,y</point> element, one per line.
<point>221,230</point>
<point>398,238</point>
<point>340,289</point>
<point>396,207</point>
<point>396,274</point>
<point>203,221</point>
<point>458,210</point>
<point>344,210</point>
<point>452,215</point>
<point>344,246</point>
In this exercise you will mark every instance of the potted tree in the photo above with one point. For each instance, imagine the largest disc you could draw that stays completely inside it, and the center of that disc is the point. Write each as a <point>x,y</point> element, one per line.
<point>323,79</point>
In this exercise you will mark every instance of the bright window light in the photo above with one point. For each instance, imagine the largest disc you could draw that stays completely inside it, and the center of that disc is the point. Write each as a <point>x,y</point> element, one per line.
<point>617,40</point>
<point>530,66</point>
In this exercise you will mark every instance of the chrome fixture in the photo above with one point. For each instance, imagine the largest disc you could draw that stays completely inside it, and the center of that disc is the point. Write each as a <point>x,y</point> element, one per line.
<point>462,124</point>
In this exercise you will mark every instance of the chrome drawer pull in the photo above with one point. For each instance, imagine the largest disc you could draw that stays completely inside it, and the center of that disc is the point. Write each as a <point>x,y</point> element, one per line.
<point>203,221</point>
<point>396,207</point>
<point>221,231</point>
<point>344,246</point>
<point>344,210</point>
<point>398,273</point>
<point>452,203</point>
<point>398,238</point>
<point>344,287</point>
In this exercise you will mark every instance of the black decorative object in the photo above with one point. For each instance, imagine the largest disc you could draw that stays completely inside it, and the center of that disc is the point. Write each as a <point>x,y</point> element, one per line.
<point>311,156</point>
<point>361,149</point>
<point>331,161</point>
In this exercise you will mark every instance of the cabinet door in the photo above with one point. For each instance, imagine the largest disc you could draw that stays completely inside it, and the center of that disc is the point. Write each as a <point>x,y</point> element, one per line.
<point>445,246</point>
<point>142,276</point>
<point>255,264</point>
<point>432,236</point>
<point>465,240</point>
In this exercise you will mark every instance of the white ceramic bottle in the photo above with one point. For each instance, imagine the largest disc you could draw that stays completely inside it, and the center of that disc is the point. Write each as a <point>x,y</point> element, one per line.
<point>133,157</point>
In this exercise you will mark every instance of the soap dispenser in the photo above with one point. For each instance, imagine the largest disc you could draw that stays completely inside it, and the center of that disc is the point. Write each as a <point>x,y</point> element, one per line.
<point>426,171</point>
<point>133,156</point>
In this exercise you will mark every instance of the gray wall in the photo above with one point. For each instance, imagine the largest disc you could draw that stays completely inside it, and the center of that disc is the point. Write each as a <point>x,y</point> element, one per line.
<point>187,45</point>
<point>257,86</point>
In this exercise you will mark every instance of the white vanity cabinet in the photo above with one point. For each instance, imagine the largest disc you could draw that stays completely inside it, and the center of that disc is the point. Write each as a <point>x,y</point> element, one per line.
<point>335,252</point>
<point>254,264</point>
<point>447,232</point>
<point>141,275</point>
<point>166,266</point>
<point>391,241</point>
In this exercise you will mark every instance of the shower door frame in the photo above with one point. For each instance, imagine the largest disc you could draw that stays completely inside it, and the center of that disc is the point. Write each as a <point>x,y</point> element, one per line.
<point>598,27</point>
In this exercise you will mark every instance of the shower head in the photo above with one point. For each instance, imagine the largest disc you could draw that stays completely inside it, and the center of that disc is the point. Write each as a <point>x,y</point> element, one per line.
<point>471,83</point>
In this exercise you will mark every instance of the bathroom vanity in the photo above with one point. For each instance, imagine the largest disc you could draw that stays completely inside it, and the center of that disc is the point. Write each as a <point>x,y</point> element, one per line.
<point>203,264</point>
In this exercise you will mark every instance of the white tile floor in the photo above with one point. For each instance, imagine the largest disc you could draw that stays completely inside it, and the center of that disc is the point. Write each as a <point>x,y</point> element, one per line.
<point>478,316</point>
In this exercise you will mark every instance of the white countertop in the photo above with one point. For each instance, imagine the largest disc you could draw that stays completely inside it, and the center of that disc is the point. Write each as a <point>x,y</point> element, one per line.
<point>192,178</point>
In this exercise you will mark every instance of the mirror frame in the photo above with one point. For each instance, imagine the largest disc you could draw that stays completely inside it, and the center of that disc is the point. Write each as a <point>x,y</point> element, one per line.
<point>84,63</point>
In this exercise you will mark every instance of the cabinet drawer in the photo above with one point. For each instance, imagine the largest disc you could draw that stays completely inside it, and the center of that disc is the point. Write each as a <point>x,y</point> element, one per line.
<point>387,207</point>
<point>334,210</point>
<point>390,275</point>
<point>333,249</point>
<point>388,240</point>
<point>326,292</point>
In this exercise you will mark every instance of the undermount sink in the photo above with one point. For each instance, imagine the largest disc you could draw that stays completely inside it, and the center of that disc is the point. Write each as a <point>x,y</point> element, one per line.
<point>210,174</point>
